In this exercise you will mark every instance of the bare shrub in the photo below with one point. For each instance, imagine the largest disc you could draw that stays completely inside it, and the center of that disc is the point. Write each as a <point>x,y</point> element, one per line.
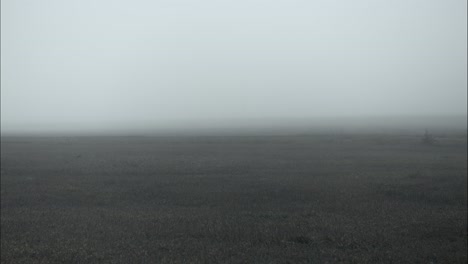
<point>428,139</point>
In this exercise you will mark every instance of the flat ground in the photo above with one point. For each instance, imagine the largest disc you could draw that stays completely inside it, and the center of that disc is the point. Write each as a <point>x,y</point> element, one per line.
<point>301,199</point>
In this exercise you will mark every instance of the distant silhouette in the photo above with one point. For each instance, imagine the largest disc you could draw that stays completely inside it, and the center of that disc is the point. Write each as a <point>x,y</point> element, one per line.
<point>428,139</point>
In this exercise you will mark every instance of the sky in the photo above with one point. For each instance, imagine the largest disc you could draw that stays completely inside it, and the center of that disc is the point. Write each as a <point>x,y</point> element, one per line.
<point>109,64</point>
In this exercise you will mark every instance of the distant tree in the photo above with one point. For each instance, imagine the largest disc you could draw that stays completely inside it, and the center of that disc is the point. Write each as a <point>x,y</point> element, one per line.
<point>428,139</point>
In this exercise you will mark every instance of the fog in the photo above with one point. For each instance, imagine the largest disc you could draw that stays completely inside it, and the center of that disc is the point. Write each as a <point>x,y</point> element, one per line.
<point>82,66</point>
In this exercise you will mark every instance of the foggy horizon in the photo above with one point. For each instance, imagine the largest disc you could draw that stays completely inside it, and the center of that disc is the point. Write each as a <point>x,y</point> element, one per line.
<point>143,66</point>
<point>337,125</point>
<point>234,131</point>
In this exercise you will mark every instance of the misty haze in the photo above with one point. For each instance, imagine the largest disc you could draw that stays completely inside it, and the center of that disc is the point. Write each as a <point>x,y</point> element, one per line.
<point>234,131</point>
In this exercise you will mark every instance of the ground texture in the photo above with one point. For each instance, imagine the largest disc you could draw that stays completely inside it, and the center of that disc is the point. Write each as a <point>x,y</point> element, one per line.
<point>301,199</point>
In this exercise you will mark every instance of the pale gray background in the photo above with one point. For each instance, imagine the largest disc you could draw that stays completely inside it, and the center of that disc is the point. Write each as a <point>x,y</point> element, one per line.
<point>113,64</point>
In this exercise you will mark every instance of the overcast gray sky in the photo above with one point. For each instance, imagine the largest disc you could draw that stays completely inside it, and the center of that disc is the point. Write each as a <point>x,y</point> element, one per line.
<point>97,63</point>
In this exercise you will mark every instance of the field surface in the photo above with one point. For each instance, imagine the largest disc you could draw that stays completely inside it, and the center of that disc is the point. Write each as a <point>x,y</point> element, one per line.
<point>271,199</point>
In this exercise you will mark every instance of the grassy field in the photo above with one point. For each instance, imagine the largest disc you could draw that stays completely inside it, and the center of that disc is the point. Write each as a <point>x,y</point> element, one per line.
<point>271,199</point>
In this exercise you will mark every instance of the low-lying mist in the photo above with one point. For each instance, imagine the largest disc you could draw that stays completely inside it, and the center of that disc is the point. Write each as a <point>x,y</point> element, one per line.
<point>265,126</point>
